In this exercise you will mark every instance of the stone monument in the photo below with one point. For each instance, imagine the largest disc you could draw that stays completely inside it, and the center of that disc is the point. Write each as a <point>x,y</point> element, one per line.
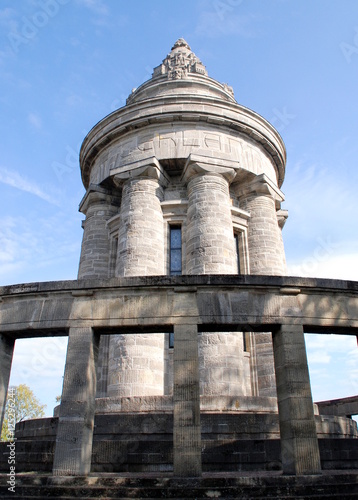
<point>183,180</point>
<point>186,349</point>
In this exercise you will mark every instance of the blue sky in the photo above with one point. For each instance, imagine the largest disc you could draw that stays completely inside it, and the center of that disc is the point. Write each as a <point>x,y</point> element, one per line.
<point>65,64</point>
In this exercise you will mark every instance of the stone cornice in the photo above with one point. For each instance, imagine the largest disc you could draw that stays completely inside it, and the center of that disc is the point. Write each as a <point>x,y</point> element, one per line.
<point>282,216</point>
<point>199,164</point>
<point>184,109</point>
<point>254,302</point>
<point>148,167</point>
<point>243,281</point>
<point>97,194</point>
<point>260,184</point>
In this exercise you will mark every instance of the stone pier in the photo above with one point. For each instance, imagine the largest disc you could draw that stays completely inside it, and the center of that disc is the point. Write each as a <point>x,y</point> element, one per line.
<point>73,451</point>
<point>299,444</point>
<point>6,353</point>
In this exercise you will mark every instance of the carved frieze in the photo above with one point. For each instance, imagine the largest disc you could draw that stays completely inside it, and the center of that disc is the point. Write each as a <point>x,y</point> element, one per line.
<point>179,142</point>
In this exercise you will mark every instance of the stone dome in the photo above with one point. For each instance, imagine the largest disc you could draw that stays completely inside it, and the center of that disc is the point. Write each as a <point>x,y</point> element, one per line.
<point>178,112</point>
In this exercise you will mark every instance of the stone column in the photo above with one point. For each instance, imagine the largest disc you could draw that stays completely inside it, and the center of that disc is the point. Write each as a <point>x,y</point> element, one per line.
<point>266,256</point>
<point>6,353</point>
<point>266,253</point>
<point>136,366</point>
<point>299,444</point>
<point>76,419</point>
<point>186,399</point>
<point>210,244</point>
<point>99,205</point>
<point>210,249</point>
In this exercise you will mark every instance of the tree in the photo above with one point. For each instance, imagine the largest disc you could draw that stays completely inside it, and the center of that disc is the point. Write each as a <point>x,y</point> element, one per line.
<point>21,404</point>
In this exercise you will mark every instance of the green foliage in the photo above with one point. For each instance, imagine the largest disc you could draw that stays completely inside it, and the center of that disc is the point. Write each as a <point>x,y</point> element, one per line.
<point>21,404</point>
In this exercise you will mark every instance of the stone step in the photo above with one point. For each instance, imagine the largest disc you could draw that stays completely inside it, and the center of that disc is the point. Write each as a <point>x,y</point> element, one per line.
<point>340,486</point>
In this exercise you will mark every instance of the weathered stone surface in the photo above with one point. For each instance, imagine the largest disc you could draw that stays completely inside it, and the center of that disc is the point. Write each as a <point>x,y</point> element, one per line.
<point>230,442</point>
<point>253,301</point>
<point>6,354</point>
<point>182,152</point>
<point>186,400</point>
<point>299,445</point>
<point>76,420</point>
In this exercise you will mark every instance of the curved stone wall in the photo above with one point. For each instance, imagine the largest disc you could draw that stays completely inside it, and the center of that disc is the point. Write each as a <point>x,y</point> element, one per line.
<point>184,129</point>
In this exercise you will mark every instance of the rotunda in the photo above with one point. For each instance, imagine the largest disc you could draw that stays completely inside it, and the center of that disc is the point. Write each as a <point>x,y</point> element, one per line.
<point>183,180</point>
<point>186,349</point>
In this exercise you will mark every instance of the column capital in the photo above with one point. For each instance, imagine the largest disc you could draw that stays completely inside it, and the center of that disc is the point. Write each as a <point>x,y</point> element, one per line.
<point>282,216</point>
<point>98,194</point>
<point>149,167</point>
<point>259,184</point>
<point>199,164</point>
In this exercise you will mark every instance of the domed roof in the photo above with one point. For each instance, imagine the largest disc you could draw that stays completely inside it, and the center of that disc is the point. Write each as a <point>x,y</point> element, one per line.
<point>180,110</point>
<point>181,72</point>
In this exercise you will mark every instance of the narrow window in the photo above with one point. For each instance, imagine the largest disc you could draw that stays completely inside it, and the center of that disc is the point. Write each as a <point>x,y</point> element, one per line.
<point>175,251</point>
<point>237,246</point>
<point>171,340</point>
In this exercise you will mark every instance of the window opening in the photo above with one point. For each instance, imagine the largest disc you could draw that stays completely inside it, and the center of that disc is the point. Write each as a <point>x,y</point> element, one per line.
<point>175,267</point>
<point>237,247</point>
<point>171,340</point>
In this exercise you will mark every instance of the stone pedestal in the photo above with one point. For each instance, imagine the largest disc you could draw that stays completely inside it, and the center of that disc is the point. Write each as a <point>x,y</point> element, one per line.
<point>136,362</point>
<point>73,449</point>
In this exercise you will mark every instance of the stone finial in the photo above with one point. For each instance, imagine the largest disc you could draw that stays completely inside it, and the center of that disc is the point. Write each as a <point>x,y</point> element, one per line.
<point>181,43</point>
<point>180,62</point>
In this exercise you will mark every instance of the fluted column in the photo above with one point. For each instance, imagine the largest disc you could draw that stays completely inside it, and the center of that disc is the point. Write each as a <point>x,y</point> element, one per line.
<point>99,205</point>
<point>136,362</point>
<point>211,250</point>
<point>266,256</point>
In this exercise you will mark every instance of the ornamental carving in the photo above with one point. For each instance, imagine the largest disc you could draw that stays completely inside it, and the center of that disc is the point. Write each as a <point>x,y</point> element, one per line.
<point>180,62</point>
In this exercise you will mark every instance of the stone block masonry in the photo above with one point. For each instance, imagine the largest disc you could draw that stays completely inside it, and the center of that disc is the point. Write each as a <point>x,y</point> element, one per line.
<point>182,180</point>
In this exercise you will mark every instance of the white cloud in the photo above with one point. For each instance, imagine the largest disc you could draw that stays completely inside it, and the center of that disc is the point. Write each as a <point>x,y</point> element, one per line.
<point>96,6</point>
<point>6,17</point>
<point>333,366</point>
<point>48,249</point>
<point>325,265</point>
<point>35,120</point>
<point>16,180</point>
